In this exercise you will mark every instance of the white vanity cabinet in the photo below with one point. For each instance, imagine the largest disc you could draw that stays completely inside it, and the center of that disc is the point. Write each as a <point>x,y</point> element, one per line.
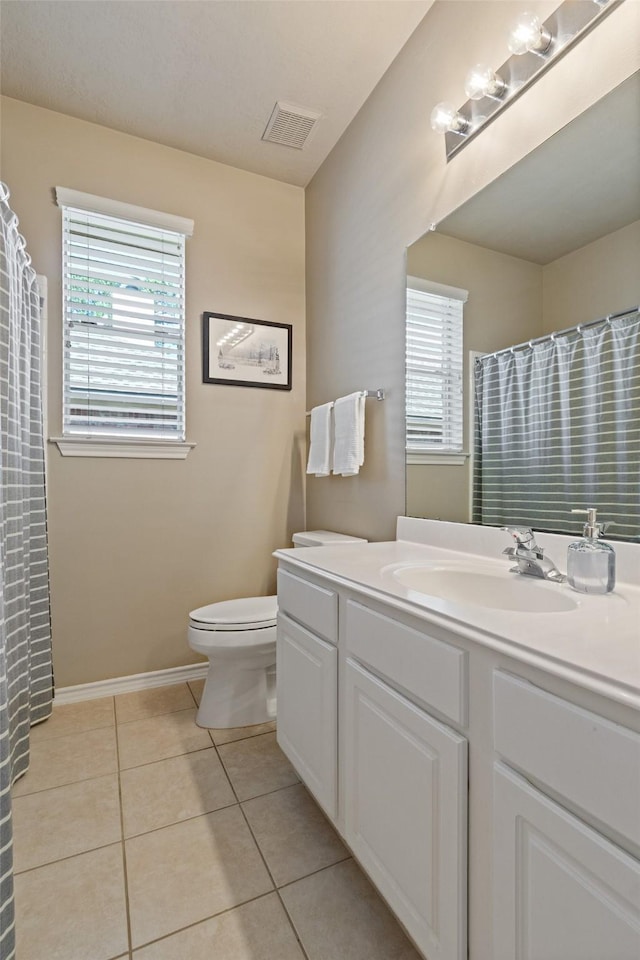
<point>562,890</point>
<point>401,804</point>
<point>307,685</point>
<point>493,802</point>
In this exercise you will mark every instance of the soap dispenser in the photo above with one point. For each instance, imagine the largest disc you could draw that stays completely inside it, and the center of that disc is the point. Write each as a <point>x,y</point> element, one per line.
<point>591,563</point>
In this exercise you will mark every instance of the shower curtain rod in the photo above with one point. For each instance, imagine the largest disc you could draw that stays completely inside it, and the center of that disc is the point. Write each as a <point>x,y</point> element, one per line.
<point>560,333</point>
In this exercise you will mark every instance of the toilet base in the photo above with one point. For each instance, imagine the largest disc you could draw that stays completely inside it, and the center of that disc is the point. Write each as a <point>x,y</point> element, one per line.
<point>237,696</point>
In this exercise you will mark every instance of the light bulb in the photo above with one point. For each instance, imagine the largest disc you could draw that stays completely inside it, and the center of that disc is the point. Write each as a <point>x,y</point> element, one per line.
<point>482,81</point>
<point>445,118</point>
<point>529,36</point>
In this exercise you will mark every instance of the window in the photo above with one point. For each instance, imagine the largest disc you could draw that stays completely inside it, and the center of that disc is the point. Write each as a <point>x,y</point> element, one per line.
<point>434,369</point>
<point>124,321</point>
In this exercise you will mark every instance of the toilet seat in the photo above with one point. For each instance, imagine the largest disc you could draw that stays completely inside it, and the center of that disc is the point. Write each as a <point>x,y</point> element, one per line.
<point>236,616</point>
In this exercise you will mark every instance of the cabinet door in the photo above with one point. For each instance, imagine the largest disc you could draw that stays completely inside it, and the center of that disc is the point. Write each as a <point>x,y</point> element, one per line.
<point>561,890</point>
<point>406,811</point>
<point>307,691</point>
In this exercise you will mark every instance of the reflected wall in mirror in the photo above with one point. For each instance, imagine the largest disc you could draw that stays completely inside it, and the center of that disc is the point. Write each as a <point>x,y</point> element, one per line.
<point>553,243</point>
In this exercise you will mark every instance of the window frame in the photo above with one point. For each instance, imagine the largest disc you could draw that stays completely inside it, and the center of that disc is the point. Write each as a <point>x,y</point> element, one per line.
<point>439,453</point>
<point>115,445</point>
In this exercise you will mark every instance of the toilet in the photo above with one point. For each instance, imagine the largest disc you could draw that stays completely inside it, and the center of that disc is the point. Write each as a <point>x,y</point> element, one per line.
<point>239,639</point>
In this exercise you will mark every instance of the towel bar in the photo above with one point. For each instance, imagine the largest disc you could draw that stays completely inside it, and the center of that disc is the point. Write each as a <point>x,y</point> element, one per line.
<point>368,395</point>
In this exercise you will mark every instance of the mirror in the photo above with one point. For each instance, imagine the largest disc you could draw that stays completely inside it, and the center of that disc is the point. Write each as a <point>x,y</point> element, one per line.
<point>552,243</point>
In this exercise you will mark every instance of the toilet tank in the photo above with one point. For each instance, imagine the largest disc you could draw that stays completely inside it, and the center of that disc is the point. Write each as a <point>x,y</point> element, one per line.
<point>323,538</point>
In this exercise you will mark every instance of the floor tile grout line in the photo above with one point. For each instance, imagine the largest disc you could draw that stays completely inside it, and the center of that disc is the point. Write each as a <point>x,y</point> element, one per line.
<point>193,696</point>
<point>262,857</point>
<point>246,799</point>
<point>154,716</point>
<point>124,853</point>
<point>172,756</point>
<point>255,840</point>
<point>60,786</point>
<point>118,723</point>
<point>226,772</point>
<point>279,890</point>
<point>177,823</point>
<point>71,856</point>
<point>213,916</point>
<point>252,736</point>
<point>205,813</point>
<point>148,763</point>
<point>313,873</point>
<point>261,896</point>
<point>72,733</point>
<point>110,773</point>
<point>268,793</point>
<point>298,937</point>
<point>273,881</point>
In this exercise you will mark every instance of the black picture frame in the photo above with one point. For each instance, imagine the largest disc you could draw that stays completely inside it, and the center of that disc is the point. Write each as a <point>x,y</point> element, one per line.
<point>265,362</point>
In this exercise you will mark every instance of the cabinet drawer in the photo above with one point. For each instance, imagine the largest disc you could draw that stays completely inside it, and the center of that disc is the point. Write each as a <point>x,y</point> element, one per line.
<point>315,607</point>
<point>426,668</point>
<point>593,763</point>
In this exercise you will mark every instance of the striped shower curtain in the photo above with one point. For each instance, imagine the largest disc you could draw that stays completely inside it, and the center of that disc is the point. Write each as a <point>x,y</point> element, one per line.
<point>25,630</point>
<point>557,426</point>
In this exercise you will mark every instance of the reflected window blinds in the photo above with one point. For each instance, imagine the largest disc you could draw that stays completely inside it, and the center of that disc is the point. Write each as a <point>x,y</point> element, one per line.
<point>124,318</point>
<point>557,425</point>
<point>434,359</point>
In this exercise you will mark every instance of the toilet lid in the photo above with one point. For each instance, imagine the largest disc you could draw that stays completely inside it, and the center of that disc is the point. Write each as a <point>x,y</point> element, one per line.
<point>248,613</point>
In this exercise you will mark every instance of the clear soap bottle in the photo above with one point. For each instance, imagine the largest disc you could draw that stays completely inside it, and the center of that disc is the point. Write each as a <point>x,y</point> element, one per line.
<point>591,563</point>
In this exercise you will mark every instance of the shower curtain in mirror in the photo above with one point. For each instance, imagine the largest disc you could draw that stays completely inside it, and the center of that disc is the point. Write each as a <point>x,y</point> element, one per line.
<point>25,632</point>
<point>557,426</point>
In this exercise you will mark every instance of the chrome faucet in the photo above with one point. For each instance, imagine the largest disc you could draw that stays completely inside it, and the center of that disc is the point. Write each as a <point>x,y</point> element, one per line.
<point>529,557</point>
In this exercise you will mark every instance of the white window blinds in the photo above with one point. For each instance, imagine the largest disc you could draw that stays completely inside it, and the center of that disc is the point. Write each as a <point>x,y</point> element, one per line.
<point>434,368</point>
<point>123,327</point>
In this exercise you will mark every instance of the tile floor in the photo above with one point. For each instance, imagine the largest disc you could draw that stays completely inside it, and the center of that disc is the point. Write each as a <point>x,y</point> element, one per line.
<point>139,836</point>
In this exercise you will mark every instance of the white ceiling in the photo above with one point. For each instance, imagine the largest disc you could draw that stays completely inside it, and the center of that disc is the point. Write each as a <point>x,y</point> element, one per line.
<point>204,75</point>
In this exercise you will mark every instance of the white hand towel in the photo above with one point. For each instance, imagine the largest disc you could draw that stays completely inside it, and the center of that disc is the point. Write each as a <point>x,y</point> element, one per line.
<point>348,450</point>
<point>320,441</point>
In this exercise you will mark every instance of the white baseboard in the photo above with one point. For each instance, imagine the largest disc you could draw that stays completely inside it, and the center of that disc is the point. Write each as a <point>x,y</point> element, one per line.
<point>138,681</point>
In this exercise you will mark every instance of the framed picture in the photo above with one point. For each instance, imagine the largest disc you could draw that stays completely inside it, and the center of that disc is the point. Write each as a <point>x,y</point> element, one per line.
<point>246,353</point>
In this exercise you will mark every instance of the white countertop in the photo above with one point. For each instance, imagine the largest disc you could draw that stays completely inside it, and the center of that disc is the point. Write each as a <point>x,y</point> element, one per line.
<point>595,643</point>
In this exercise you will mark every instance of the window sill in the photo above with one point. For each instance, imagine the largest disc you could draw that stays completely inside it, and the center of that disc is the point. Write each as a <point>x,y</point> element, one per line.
<point>443,459</point>
<point>130,449</point>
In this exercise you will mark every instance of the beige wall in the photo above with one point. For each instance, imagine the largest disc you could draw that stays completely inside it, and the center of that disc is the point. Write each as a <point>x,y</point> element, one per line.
<point>600,278</point>
<point>381,187</point>
<point>136,544</point>
<point>504,307</point>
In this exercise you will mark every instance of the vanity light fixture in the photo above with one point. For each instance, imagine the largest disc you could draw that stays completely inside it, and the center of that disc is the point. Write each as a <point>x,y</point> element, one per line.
<point>534,45</point>
<point>529,35</point>
<point>445,118</point>
<point>482,81</point>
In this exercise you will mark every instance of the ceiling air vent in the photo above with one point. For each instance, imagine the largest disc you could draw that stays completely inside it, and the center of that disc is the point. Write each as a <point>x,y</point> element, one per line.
<point>291,125</point>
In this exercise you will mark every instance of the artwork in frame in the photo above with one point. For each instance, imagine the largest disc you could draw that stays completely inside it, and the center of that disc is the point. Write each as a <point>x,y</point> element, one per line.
<point>242,352</point>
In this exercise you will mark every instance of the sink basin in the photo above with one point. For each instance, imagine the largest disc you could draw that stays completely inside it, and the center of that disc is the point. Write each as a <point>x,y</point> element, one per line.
<point>509,592</point>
